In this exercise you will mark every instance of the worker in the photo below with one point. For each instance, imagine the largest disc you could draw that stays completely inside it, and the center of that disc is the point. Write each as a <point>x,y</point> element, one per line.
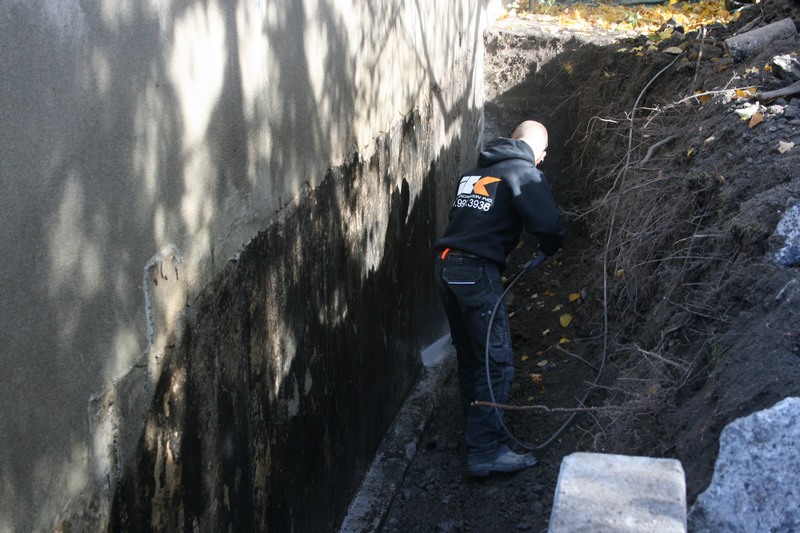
<point>494,201</point>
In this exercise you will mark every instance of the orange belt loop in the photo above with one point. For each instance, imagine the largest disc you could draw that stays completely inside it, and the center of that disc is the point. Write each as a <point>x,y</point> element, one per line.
<point>446,251</point>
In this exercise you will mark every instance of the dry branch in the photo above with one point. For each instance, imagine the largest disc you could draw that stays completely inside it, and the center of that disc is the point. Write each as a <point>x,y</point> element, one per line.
<point>741,46</point>
<point>545,409</point>
<point>652,150</point>
<point>791,90</point>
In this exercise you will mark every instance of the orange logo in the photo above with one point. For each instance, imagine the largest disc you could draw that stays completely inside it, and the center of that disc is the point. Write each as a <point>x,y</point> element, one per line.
<point>480,185</point>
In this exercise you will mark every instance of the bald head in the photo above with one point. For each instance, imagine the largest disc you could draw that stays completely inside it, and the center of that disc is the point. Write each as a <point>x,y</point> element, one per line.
<point>535,134</point>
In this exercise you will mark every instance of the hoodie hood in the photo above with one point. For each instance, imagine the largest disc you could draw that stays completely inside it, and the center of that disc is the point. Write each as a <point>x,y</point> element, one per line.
<point>503,149</point>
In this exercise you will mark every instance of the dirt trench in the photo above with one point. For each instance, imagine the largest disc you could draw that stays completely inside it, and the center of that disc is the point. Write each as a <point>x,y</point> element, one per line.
<point>665,281</point>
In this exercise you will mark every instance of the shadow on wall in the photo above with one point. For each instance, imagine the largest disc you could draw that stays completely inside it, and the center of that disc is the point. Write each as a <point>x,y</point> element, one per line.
<point>139,129</point>
<point>292,364</point>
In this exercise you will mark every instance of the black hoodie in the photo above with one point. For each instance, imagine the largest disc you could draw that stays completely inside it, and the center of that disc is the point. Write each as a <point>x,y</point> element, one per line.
<point>496,199</point>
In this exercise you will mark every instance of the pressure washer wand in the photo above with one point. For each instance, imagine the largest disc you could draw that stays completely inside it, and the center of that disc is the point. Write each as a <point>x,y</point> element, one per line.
<point>535,261</point>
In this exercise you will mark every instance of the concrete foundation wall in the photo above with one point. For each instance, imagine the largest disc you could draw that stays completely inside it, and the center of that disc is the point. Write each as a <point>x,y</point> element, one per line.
<point>216,226</point>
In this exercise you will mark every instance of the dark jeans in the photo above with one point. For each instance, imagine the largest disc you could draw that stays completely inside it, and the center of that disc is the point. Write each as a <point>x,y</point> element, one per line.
<point>469,288</point>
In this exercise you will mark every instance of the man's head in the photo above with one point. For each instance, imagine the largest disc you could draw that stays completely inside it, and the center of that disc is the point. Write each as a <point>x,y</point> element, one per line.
<point>535,134</point>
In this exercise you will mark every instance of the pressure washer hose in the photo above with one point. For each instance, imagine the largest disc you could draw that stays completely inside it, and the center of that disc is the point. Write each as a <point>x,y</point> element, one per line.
<point>527,267</point>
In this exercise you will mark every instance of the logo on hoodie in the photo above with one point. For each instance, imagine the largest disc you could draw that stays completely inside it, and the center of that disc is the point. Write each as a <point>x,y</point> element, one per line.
<point>473,192</point>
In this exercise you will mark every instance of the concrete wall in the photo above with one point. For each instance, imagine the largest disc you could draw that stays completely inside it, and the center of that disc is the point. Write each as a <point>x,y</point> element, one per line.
<point>177,174</point>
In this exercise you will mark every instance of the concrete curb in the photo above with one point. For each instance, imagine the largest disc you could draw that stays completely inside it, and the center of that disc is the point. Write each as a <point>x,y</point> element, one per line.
<point>371,504</point>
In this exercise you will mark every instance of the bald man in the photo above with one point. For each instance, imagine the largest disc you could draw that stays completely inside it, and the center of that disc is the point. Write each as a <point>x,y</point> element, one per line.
<point>494,201</point>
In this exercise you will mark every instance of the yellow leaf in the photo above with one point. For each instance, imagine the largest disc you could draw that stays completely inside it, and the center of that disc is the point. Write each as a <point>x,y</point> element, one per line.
<point>689,153</point>
<point>784,146</point>
<point>524,358</point>
<point>551,294</point>
<point>653,390</point>
<point>621,271</point>
<point>565,319</point>
<point>568,68</point>
<point>745,92</point>
<point>757,119</point>
<point>563,340</point>
<point>536,378</point>
<point>574,296</point>
<point>704,99</point>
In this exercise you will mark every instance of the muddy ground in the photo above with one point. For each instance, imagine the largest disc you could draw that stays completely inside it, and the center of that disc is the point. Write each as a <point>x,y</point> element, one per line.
<point>666,282</point>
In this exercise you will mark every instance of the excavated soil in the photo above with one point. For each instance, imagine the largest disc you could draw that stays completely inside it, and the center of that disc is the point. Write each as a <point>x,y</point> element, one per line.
<point>666,282</point>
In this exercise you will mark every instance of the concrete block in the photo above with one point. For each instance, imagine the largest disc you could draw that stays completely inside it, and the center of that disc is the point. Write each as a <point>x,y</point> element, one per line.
<point>603,493</point>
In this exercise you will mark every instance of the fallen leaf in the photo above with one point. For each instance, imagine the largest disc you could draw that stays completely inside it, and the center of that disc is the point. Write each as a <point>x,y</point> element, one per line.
<point>620,272</point>
<point>784,146</point>
<point>757,119</point>
<point>745,92</point>
<point>654,390</point>
<point>545,332</point>
<point>568,68</point>
<point>542,363</point>
<point>524,357</point>
<point>563,340</point>
<point>574,296</point>
<point>540,352</point>
<point>709,140</point>
<point>551,294</point>
<point>565,319</point>
<point>674,50</point>
<point>747,111</point>
<point>704,98</point>
<point>557,308</point>
<point>536,378</point>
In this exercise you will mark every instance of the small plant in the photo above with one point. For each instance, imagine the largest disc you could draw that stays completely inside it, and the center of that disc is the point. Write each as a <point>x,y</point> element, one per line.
<point>633,20</point>
<point>716,357</point>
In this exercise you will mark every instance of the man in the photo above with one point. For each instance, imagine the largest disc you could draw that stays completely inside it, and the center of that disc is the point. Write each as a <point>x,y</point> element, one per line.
<point>494,201</point>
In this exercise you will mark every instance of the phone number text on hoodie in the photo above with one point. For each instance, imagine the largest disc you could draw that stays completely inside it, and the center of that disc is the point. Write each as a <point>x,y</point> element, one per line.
<point>474,203</point>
